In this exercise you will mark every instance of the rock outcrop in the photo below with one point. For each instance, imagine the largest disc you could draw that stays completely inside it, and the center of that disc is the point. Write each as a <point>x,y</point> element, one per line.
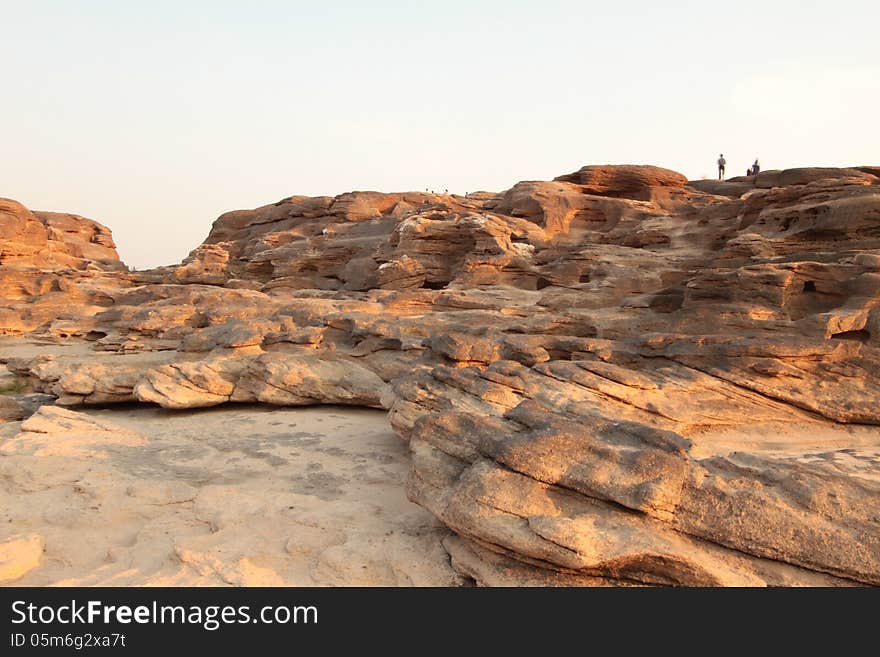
<point>49,261</point>
<point>618,377</point>
<point>51,240</point>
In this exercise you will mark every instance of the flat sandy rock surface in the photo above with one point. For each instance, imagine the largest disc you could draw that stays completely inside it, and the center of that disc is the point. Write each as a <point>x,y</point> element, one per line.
<point>853,450</point>
<point>237,495</point>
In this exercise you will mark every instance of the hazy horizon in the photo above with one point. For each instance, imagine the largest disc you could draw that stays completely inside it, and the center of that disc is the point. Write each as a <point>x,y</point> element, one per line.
<point>154,120</point>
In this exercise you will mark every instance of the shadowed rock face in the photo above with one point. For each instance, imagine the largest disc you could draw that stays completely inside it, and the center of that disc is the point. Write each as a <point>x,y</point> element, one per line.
<point>614,377</point>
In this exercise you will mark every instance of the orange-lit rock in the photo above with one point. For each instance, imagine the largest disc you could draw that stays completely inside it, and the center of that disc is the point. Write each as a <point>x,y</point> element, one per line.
<point>614,377</point>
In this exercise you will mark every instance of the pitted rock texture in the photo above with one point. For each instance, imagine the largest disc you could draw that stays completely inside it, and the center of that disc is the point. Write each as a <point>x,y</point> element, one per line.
<point>617,377</point>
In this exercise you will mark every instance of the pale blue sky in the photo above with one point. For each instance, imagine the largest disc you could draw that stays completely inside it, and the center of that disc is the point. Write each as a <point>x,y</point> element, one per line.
<point>156,117</point>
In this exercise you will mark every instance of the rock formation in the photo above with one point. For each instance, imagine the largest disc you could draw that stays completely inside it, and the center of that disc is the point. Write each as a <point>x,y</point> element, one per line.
<point>50,261</point>
<point>615,377</point>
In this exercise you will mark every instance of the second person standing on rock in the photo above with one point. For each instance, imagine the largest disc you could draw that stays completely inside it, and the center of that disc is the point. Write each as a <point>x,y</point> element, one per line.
<point>721,164</point>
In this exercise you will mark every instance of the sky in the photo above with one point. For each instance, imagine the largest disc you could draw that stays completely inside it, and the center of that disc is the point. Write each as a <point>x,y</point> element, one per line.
<point>155,118</point>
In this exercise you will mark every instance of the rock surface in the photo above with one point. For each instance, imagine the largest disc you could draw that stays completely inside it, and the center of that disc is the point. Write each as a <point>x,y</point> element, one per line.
<point>241,496</point>
<point>54,269</point>
<point>618,377</point>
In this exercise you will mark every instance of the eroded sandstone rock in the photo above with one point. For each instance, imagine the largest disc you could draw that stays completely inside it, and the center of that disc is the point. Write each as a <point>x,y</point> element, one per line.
<point>614,377</point>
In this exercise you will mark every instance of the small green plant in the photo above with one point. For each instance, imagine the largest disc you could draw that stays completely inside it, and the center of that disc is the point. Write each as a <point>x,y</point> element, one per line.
<point>14,387</point>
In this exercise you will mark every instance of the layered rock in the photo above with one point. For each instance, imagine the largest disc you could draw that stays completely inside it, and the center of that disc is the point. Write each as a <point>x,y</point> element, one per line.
<point>52,240</point>
<point>50,262</point>
<point>614,377</point>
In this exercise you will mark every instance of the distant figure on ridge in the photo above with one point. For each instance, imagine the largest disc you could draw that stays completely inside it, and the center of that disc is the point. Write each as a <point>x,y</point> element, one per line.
<point>756,168</point>
<point>721,164</point>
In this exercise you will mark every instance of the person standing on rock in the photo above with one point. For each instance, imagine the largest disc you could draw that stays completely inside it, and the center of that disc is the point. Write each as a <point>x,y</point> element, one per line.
<point>756,168</point>
<point>721,164</point>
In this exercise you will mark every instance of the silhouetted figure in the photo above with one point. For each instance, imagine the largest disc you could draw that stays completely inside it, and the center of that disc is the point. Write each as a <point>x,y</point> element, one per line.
<point>721,164</point>
<point>756,168</point>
